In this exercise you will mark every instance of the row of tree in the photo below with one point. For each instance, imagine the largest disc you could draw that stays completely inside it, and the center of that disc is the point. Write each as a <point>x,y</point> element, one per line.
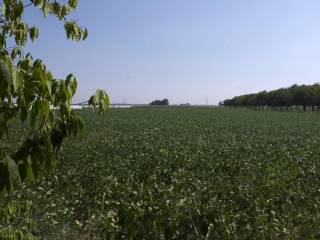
<point>294,97</point>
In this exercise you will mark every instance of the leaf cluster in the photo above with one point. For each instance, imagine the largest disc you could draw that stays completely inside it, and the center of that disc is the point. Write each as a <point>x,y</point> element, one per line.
<point>30,93</point>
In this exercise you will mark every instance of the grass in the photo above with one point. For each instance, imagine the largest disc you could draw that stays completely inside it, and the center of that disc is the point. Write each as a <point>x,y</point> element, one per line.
<point>178,173</point>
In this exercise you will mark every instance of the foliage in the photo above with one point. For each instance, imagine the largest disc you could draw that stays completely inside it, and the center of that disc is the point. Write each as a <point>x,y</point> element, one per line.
<point>293,97</point>
<point>163,102</point>
<point>101,100</point>
<point>180,173</point>
<point>30,93</point>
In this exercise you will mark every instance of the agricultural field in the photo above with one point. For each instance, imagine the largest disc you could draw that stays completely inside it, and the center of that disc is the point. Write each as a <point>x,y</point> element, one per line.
<point>177,173</point>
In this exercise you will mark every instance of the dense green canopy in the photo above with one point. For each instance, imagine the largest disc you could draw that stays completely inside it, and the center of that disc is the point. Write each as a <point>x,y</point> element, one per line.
<point>163,102</point>
<point>296,96</point>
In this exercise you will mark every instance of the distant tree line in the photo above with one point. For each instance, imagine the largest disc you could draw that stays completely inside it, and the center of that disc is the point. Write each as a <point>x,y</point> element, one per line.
<point>295,97</point>
<point>164,102</point>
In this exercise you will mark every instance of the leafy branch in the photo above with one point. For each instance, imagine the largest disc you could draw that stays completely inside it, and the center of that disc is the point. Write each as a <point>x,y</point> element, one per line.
<point>30,93</point>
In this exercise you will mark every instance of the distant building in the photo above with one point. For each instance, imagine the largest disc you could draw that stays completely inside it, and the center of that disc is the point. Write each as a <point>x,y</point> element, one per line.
<point>185,104</point>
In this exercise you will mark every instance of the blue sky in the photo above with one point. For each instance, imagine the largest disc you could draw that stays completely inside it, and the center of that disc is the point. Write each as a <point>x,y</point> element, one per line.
<point>184,50</point>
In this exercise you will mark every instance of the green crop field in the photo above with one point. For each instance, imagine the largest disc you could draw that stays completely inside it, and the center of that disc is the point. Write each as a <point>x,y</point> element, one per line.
<point>177,173</point>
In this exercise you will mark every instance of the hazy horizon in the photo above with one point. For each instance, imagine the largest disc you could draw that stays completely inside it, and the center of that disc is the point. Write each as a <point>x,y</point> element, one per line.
<point>186,51</point>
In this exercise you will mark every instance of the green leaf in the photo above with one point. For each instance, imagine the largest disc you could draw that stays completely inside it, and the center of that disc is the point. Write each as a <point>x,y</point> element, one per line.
<point>49,87</point>
<point>100,99</point>
<point>33,33</point>
<point>34,112</point>
<point>46,8</point>
<point>85,35</point>
<point>16,52</point>
<point>73,3</point>
<point>74,86</point>
<point>29,171</point>
<point>5,73</point>
<point>15,79</point>
<point>18,10</point>
<point>65,10</point>
<point>44,110</point>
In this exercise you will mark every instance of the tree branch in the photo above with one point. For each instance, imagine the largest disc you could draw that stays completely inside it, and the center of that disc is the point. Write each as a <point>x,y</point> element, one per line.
<point>29,4</point>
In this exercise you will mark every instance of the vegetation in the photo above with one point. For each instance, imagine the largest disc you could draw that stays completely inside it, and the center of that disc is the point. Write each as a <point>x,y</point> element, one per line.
<point>177,173</point>
<point>147,173</point>
<point>29,93</point>
<point>164,102</point>
<point>294,97</point>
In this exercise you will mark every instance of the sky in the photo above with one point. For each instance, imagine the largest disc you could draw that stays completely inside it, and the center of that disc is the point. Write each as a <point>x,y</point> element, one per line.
<point>189,51</point>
